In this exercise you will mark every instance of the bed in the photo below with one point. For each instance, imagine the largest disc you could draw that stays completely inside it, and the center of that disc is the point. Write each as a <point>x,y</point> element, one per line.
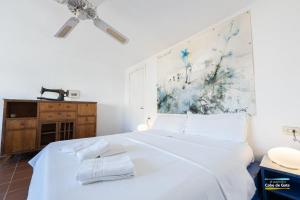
<point>168,166</point>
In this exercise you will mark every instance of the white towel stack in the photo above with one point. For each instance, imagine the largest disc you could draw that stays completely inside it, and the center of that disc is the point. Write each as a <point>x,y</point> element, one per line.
<point>112,164</point>
<point>93,151</point>
<point>105,169</point>
<point>89,149</point>
<point>114,149</point>
<point>76,146</point>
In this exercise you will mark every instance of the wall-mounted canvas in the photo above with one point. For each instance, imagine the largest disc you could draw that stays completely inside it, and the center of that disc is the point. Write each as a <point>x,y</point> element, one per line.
<point>210,73</point>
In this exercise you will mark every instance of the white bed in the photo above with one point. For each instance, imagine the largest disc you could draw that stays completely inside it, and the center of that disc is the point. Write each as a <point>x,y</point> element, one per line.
<point>168,166</point>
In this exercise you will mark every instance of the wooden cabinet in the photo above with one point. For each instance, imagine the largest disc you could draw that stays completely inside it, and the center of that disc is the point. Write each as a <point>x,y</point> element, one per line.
<point>15,124</point>
<point>29,125</point>
<point>50,106</point>
<point>86,120</point>
<point>57,116</point>
<point>85,130</point>
<point>18,141</point>
<point>69,107</point>
<point>86,109</point>
<point>46,107</point>
<point>20,134</point>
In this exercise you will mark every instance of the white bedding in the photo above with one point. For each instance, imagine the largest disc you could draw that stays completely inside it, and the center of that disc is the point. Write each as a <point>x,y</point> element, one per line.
<point>168,166</point>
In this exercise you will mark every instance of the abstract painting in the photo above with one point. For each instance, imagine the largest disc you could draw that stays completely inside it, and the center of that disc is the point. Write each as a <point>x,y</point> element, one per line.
<point>210,73</point>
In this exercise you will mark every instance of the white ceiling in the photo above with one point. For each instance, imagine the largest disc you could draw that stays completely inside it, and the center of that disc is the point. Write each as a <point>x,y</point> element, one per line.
<point>27,27</point>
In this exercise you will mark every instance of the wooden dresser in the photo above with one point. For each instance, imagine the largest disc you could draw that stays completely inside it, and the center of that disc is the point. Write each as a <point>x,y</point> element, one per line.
<point>29,125</point>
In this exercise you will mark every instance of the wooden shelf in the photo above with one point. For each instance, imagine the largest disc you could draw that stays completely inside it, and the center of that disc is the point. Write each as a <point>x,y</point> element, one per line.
<point>48,133</point>
<point>20,118</point>
<point>16,109</point>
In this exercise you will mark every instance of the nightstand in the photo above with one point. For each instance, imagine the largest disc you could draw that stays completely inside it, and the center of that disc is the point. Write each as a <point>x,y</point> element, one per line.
<point>279,183</point>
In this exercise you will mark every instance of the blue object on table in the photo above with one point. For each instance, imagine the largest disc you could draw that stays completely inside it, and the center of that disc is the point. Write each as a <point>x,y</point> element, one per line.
<point>279,183</point>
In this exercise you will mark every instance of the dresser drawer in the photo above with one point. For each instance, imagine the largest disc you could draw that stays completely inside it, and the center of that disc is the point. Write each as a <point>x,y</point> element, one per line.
<point>69,115</point>
<point>20,140</point>
<point>14,124</point>
<point>49,107</point>
<point>57,116</point>
<point>86,130</point>
<point>46,107</point>
<point>68,107</point>
<point>86,120</point>
<point>86,109</point>
<point>50,116</point>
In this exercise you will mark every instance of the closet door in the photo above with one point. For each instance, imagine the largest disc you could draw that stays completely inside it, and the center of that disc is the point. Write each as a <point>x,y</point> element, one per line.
<point>137,97</point>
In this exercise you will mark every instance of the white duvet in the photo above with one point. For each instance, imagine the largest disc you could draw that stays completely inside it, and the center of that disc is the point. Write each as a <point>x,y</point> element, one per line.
<point>167,167</point>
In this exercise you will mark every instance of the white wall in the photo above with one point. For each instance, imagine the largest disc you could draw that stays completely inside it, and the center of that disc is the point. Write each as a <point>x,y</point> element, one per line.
<point>30,57</point>
<point>23,77</point>
<point>276,38</point>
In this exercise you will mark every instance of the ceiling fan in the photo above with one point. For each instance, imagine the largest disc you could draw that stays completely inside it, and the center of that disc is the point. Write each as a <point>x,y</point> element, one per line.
<point>84,10</point>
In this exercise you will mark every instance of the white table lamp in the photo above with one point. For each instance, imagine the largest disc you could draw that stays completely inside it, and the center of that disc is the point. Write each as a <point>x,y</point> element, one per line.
<point>142,127</point>
<point>285,156</point>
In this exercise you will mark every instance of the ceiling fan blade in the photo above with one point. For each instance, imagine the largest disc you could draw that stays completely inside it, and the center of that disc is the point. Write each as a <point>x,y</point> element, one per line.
<point>110,30</point>
<point>67,27</point>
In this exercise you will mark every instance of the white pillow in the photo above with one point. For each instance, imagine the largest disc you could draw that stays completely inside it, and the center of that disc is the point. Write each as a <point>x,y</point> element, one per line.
<point>220,126</point>
<point>170,122</point>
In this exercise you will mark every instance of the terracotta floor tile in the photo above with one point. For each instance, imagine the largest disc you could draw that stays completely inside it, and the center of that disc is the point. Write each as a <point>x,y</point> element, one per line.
<point>22,174</point>
<point>19,184</point>
<point>24,170</point>
<point>22,167</point>
<point>27,157</point>
<point>4,178</point>
<point>7,171</point>
<point>2,196</point>
<point>7,166</point>
<point>23,163</point>
<point>12,160</point>
<point>17,195</point>
<point>15,176</point>
<point>3,187</point>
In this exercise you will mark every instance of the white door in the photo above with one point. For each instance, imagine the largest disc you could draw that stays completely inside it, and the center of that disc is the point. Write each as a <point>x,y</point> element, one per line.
<point>136,97</point>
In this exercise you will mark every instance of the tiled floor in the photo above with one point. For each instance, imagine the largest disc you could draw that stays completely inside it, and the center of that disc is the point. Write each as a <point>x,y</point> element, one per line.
<point>15,175</point>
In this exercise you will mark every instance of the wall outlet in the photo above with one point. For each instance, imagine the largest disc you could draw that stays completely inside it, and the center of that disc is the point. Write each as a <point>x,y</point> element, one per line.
<point>289,130</point>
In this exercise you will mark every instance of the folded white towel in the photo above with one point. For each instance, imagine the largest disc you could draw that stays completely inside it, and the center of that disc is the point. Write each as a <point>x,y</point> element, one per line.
<point>114,149</point>
<point>76,146</point>
<point>93,151</point>
<point>105,169</point>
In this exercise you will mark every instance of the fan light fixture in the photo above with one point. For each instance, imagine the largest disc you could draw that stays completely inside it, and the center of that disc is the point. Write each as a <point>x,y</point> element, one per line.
<point>84,10</point>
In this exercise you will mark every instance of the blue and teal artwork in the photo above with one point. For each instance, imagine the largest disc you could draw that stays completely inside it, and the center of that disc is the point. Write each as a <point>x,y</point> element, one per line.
<point>210,73</point>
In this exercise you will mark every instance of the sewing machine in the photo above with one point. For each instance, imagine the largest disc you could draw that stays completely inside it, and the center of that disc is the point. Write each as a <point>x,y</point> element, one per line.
<point>61,94</point>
